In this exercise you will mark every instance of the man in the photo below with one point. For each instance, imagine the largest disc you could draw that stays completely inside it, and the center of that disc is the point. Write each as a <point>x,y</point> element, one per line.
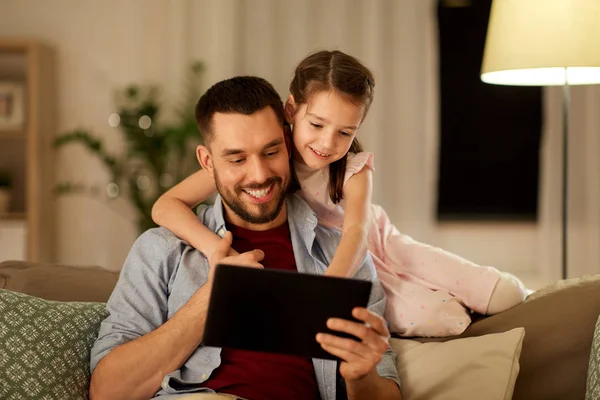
<point>150,343</point>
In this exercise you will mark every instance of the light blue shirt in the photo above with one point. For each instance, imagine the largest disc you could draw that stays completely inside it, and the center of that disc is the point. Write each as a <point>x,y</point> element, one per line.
<point>162,272</point>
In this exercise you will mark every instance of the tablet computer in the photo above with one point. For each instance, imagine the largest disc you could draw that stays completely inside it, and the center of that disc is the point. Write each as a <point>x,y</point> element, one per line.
<point>278,311</point>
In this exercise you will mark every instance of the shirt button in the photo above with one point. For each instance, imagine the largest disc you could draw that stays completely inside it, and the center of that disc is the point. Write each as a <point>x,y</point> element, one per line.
<point>221,232</point>
<point>204,376</point>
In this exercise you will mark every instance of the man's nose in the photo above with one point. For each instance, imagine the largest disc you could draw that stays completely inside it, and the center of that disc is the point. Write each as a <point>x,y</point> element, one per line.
<point>258,170</point>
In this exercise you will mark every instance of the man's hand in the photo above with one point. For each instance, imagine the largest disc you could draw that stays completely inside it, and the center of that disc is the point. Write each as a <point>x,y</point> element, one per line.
<point>358,358</point>
<point>220,256</point>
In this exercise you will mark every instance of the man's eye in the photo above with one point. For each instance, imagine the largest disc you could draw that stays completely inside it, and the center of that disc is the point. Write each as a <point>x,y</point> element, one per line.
<point>272,153</point>
<point>237,161</point>
<point>316,125</point>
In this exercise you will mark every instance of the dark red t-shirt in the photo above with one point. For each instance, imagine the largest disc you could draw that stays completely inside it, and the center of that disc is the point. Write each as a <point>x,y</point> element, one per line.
<point>256,375</point>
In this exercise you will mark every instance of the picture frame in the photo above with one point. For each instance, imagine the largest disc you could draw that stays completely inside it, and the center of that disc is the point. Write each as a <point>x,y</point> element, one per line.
<point>12,105</point>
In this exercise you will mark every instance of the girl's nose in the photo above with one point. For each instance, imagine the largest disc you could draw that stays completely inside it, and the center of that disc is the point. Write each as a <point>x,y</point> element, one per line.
<point>328,141</point>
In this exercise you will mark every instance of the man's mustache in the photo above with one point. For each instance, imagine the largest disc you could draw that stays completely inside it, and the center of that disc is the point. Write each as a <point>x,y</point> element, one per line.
<point>263,185</point>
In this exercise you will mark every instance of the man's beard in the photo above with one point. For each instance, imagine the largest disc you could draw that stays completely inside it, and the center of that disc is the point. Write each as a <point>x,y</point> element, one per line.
<point>264,215</point>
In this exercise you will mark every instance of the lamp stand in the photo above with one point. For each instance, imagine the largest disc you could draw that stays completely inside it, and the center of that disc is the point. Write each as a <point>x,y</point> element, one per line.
<point>566,103</point>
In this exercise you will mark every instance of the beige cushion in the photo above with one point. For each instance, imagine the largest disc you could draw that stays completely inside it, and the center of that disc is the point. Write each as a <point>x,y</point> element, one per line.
<point>484,367</point>
<point>559,321</point>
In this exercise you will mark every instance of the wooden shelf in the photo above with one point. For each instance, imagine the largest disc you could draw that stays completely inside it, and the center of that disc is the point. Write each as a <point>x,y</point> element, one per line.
<point>17,134</point>
<point>13,216</point>
<point>27,150</point>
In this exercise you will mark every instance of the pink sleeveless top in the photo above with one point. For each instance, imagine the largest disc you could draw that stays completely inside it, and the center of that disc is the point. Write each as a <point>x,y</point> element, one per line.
<point>315,188</point>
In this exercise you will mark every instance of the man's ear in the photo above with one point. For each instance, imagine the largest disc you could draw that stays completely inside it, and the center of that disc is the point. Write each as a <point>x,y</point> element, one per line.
<point>290,109</point>
<point>289,142</point>
<point>205,159</point>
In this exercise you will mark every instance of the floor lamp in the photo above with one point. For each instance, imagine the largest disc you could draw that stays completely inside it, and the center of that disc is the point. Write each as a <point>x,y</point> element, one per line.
<point>545,43</point>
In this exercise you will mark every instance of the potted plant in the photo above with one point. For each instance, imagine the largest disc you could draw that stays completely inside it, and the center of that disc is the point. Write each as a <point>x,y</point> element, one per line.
<point>157,155</point>
<point>5,189</point>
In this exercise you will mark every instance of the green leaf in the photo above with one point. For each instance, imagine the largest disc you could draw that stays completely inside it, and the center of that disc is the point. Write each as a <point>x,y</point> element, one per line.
<point>69,188</point>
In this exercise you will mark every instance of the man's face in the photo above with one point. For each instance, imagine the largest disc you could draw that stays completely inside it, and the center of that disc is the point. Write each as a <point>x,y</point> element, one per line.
<point>250,164</point>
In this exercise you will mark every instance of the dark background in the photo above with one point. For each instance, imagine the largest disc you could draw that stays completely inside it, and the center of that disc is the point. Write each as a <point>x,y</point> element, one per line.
<point>490,134</point>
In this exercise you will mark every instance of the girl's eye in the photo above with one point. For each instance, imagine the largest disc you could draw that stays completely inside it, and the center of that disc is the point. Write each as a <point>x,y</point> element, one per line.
<point>345,133</point>
<point>316,125</point>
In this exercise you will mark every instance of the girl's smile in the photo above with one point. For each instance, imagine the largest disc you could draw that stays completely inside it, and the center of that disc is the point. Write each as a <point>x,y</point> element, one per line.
<point>324,127</point>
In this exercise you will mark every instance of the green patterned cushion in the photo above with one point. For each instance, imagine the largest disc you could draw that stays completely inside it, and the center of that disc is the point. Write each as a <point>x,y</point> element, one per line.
<point>593,378</point>
<point>45,346</point>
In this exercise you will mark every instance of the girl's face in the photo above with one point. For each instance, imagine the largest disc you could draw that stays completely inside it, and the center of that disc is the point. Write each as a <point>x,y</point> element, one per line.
<point>324,127</point>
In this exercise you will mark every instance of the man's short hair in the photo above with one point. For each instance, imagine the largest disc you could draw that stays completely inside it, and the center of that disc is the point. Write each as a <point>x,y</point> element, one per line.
<point>240,95</point>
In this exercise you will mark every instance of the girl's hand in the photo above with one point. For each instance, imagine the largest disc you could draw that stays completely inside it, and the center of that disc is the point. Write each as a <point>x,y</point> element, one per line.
<point>221,256</point>
<point>232,253</point>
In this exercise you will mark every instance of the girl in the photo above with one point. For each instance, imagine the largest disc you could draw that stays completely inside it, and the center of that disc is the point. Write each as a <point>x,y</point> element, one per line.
<point>427,288</point>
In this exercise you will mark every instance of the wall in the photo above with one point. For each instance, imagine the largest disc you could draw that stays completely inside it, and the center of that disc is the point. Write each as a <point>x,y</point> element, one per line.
<point>99,46</point>
<point>102,45</point>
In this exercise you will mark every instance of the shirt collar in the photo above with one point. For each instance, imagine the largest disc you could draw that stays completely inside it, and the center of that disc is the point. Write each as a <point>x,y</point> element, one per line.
<point>297,209</point>
<point>219,216</point>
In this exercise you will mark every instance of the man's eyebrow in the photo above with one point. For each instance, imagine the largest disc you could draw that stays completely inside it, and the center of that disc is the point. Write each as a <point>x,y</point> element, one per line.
<point>327,121</point>
<point>273,143</point>
<point>233,152</point>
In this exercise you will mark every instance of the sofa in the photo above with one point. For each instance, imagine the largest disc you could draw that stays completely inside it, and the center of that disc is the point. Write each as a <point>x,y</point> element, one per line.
<point>551,359</point>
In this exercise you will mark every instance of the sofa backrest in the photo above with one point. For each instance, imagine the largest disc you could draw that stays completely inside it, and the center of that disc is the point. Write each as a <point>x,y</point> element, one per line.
<point>58,282</point>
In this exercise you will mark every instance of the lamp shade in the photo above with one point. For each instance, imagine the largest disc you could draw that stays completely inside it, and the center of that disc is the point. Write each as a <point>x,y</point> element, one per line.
<point>542,43</point>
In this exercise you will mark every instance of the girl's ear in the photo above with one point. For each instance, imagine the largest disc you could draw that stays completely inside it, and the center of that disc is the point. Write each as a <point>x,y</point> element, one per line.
<point>205,159</point>
<point>290,109</point>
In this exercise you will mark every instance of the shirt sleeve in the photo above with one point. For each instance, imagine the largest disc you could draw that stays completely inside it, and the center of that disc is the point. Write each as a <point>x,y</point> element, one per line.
<point>138,304</point>
<point>377,301</point>
<point>357,162</point>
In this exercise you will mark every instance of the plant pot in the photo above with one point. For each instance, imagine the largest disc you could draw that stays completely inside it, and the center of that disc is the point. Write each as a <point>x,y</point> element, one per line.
<point>4,200</point>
